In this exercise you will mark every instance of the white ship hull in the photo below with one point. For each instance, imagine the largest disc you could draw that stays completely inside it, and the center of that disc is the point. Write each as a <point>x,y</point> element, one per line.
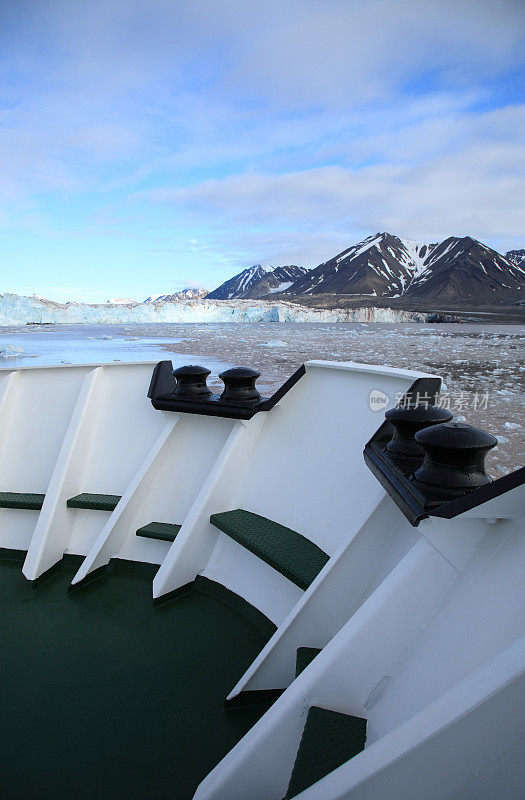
<point>421,629</point>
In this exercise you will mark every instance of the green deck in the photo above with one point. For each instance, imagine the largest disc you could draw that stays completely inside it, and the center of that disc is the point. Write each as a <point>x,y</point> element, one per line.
<point>106,696</point>
<point>329,739</point>
<point>94,502</point>
<point>287,551</point>
<point>165,531</point>
<point>304,657</point>
<point>23,500</point>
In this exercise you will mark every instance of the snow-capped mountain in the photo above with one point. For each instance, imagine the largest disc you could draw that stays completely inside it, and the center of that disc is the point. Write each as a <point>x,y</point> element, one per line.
<point>184,294</point>
<point>516,257</point>
<point>257,281</point>
<point>388,266</point>
<point>379,265</point>
<point>465,269</point>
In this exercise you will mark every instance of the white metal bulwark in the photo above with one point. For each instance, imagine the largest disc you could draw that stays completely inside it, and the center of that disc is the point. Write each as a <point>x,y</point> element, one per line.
<point>421,629</point>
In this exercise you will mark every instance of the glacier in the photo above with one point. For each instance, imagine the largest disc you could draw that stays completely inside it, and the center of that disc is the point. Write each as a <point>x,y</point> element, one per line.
<point>19,310</point>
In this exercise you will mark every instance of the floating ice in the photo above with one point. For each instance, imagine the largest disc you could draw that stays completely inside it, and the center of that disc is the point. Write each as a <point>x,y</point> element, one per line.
<point>11,351</point>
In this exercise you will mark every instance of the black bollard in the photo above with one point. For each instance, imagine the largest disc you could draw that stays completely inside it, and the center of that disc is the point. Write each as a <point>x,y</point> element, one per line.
<point>191,383</point>
<point>403,448</point>
<point>454,462</point>
<point>239,386</point>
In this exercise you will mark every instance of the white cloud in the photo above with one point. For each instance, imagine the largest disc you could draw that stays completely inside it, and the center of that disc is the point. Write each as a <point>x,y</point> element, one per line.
<point>306,50</point>
<point>280,130</point>
<point>360,51</point>
<point>472,183</point>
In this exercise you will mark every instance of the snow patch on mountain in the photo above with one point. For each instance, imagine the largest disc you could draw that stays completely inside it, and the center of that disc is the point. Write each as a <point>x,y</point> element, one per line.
<point>516,257</point>
<point>416,255</point>
<point>281,288</point>
<point>359,248</point>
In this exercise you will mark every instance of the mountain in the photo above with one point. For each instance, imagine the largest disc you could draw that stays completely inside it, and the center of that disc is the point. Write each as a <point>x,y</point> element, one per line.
<point>379,265</point>
<point>184,294</point>
<point>388,266</point>
<point>516,257</point>
<point>465,269</point>
<point>257,281</point>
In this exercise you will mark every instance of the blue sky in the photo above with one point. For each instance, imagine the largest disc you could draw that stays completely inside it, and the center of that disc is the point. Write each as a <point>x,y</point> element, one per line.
<point>149,145</point>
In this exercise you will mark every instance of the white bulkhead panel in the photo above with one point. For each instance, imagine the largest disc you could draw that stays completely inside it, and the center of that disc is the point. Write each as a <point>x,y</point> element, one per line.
<point>303,468</point>
<point>36,406</point>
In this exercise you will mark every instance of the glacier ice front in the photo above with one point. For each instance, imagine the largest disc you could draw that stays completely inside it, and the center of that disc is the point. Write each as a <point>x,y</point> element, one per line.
<point>19,310</point>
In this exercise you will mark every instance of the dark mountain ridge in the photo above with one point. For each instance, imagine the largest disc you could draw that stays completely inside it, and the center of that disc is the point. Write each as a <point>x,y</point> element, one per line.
<point>516,257</point>
<point>256,282</point>
<point>390,267</point>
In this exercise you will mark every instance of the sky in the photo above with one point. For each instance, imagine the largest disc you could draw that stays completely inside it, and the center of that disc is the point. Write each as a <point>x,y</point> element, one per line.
<point>149,145</point>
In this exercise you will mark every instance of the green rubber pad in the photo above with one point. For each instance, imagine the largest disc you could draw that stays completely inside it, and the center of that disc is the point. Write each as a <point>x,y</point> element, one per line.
<point>291,554</point>
<point>329,739</point>
<point>23,500</point>
<point>94,502</point>
<point>106,696</point>
<point>304,656</point>
<point>164,531</point>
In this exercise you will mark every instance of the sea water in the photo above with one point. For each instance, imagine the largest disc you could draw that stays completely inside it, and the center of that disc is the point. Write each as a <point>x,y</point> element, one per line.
<point>483,366</point>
